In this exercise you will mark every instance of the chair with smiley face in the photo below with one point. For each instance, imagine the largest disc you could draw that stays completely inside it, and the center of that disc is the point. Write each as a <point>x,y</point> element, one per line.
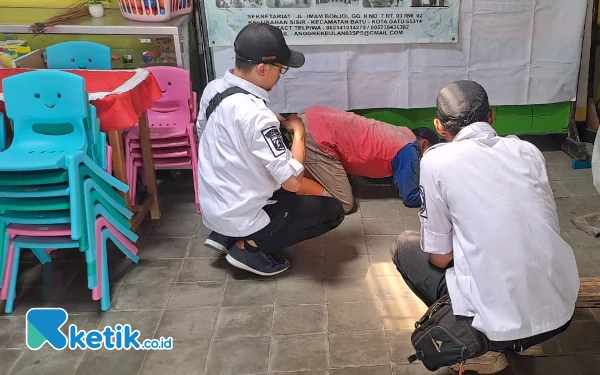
<point>78,55</point>
<point>171,120</point>
<point>48,167</point>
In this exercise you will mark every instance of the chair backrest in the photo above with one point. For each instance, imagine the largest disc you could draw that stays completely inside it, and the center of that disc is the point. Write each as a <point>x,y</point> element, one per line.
<point>79,55</point>
<point>176,101</point>
<point>47,109</point>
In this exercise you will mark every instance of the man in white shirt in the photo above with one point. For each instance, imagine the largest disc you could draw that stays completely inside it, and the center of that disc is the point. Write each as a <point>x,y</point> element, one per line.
<point>490,236</point>
<point>247,177</point>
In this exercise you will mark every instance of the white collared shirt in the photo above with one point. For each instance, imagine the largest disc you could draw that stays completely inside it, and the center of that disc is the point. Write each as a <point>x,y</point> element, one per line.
<point>487,199</point>
<point>241,158</point>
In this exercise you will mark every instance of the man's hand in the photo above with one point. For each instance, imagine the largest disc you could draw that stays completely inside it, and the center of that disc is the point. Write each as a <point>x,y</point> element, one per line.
<point>294,125</point>
<point>280,117</point>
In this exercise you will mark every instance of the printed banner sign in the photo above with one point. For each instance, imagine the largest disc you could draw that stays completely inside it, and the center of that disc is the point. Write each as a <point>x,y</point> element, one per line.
<point>316,22</point>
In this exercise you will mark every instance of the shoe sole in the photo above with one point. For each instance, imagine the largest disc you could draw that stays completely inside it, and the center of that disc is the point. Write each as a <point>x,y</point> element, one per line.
<point>484,368</point>
<point>236,263</point>
<point>215,246</point>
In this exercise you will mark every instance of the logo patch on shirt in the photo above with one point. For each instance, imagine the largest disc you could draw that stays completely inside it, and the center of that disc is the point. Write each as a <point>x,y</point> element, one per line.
<point>274,140</point>
<point>423,210</point>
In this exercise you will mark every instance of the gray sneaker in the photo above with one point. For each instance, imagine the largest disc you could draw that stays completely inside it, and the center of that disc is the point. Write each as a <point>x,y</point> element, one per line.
<point>257,262</point>
<point>219,242</point>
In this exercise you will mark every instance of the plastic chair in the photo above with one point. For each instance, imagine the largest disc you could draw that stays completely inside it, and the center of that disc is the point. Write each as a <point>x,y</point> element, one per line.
<point>79,55</point>
<point>50,98</point>
<point>171,117</point>
<point>2,132</point>
<point>104,230</point>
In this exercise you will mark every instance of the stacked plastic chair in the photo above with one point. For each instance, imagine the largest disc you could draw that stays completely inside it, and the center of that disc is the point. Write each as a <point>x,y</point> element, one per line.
<point>172,129</point>
<point>78,55</point>
<point>56,190</point>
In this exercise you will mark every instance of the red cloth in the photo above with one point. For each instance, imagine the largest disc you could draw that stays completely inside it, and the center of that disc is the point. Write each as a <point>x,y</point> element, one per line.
<point>365,146</point>
<point>117,111</point>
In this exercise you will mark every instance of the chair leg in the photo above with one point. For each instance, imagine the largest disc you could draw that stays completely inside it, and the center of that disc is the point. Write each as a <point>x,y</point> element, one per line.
<point>8,265</point>
<point>10,300</point>
<point>194,152</point>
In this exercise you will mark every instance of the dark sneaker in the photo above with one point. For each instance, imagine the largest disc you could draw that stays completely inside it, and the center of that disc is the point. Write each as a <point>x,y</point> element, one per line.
<point>219,242</point>
<point>257,262</point>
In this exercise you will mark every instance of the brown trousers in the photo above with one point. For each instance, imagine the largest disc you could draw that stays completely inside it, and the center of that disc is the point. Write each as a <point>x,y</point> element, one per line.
<point>327,171</point>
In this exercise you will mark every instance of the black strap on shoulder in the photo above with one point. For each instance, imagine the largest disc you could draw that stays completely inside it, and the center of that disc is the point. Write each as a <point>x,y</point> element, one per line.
<point>217,99</point>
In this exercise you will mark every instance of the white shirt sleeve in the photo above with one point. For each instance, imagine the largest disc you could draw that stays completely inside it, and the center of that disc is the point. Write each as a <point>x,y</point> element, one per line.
<point>436,226</point>
<point>261,131</point>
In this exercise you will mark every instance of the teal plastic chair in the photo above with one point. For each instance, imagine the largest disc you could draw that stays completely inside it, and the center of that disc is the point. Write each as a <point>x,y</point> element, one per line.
<point>2,132</point>
<point>93,193</point>
<point>79,55</point>
<point>50,133</point>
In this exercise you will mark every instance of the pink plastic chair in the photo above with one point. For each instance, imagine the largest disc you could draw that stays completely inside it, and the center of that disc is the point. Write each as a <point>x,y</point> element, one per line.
<point>64,230</point>
<point>171,121</point>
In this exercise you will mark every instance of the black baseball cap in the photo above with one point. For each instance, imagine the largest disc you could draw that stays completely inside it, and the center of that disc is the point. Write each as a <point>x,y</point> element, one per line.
<point>262,43</point>
<point>428,134</point>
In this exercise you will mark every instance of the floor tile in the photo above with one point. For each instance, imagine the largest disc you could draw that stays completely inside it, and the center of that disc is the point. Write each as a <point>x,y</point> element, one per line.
<point>144,321</point>
<point>401,313</point>
<point>580,188</point>
<point>308,248</point>
<point>201,230</point>
<point>299,292</point>
<point>583,314</point>
<point>155,271</point>
<point>543,366</point>
<point>379,209</point>
<point>374,370</point>
<point>583,239</point>
<point>355,349</point>
<point>142,296</point>
<point>215,269</point>
<point>587,364</point>
<point>113,362</point>
<point>244,321</point>
<point>198,250</point>
<point>12,334</point>
<point>354,316</point>
<point>313,372</point>
<point>187,357</point>
<point>381,244</point>
<point>193,295</point>
<point>164,247</point>
<point>8,358</point>
<point>558,190</point>
<point>565,172</point>
<point>419,369</point>
<point>290,320</point>
<point>295,353</point>
<point>374,226</point>
<point>581,336</point>
<point>392,288</point>
<point>411,223</point>
<point>347,245</point>
<point>187,324</point>
<point>346,266</point>
<point>83,321</point>
<point>47,361</point>
<point>249,293</point>
<point>382,265</point>
<point>350,290</point>
<point>305,268</point>
<point>39,296</point>
<point>174,228</point>
<point>251,356</point>
<point>400,345</point>
<point>557,158</point>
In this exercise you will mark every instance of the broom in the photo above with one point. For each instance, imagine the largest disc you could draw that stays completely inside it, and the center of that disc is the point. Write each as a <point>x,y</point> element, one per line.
<point>75,10</point>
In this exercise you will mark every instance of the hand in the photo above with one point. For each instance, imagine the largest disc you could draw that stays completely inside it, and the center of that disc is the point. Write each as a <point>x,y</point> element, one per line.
<point>294,125</point>
<point>280,117</point>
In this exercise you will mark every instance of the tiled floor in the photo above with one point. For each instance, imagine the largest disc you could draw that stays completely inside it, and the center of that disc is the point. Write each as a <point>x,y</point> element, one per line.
<point>342,309</point>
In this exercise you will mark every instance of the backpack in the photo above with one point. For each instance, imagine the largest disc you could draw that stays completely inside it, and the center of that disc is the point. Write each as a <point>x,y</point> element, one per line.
<point>443,339</point>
